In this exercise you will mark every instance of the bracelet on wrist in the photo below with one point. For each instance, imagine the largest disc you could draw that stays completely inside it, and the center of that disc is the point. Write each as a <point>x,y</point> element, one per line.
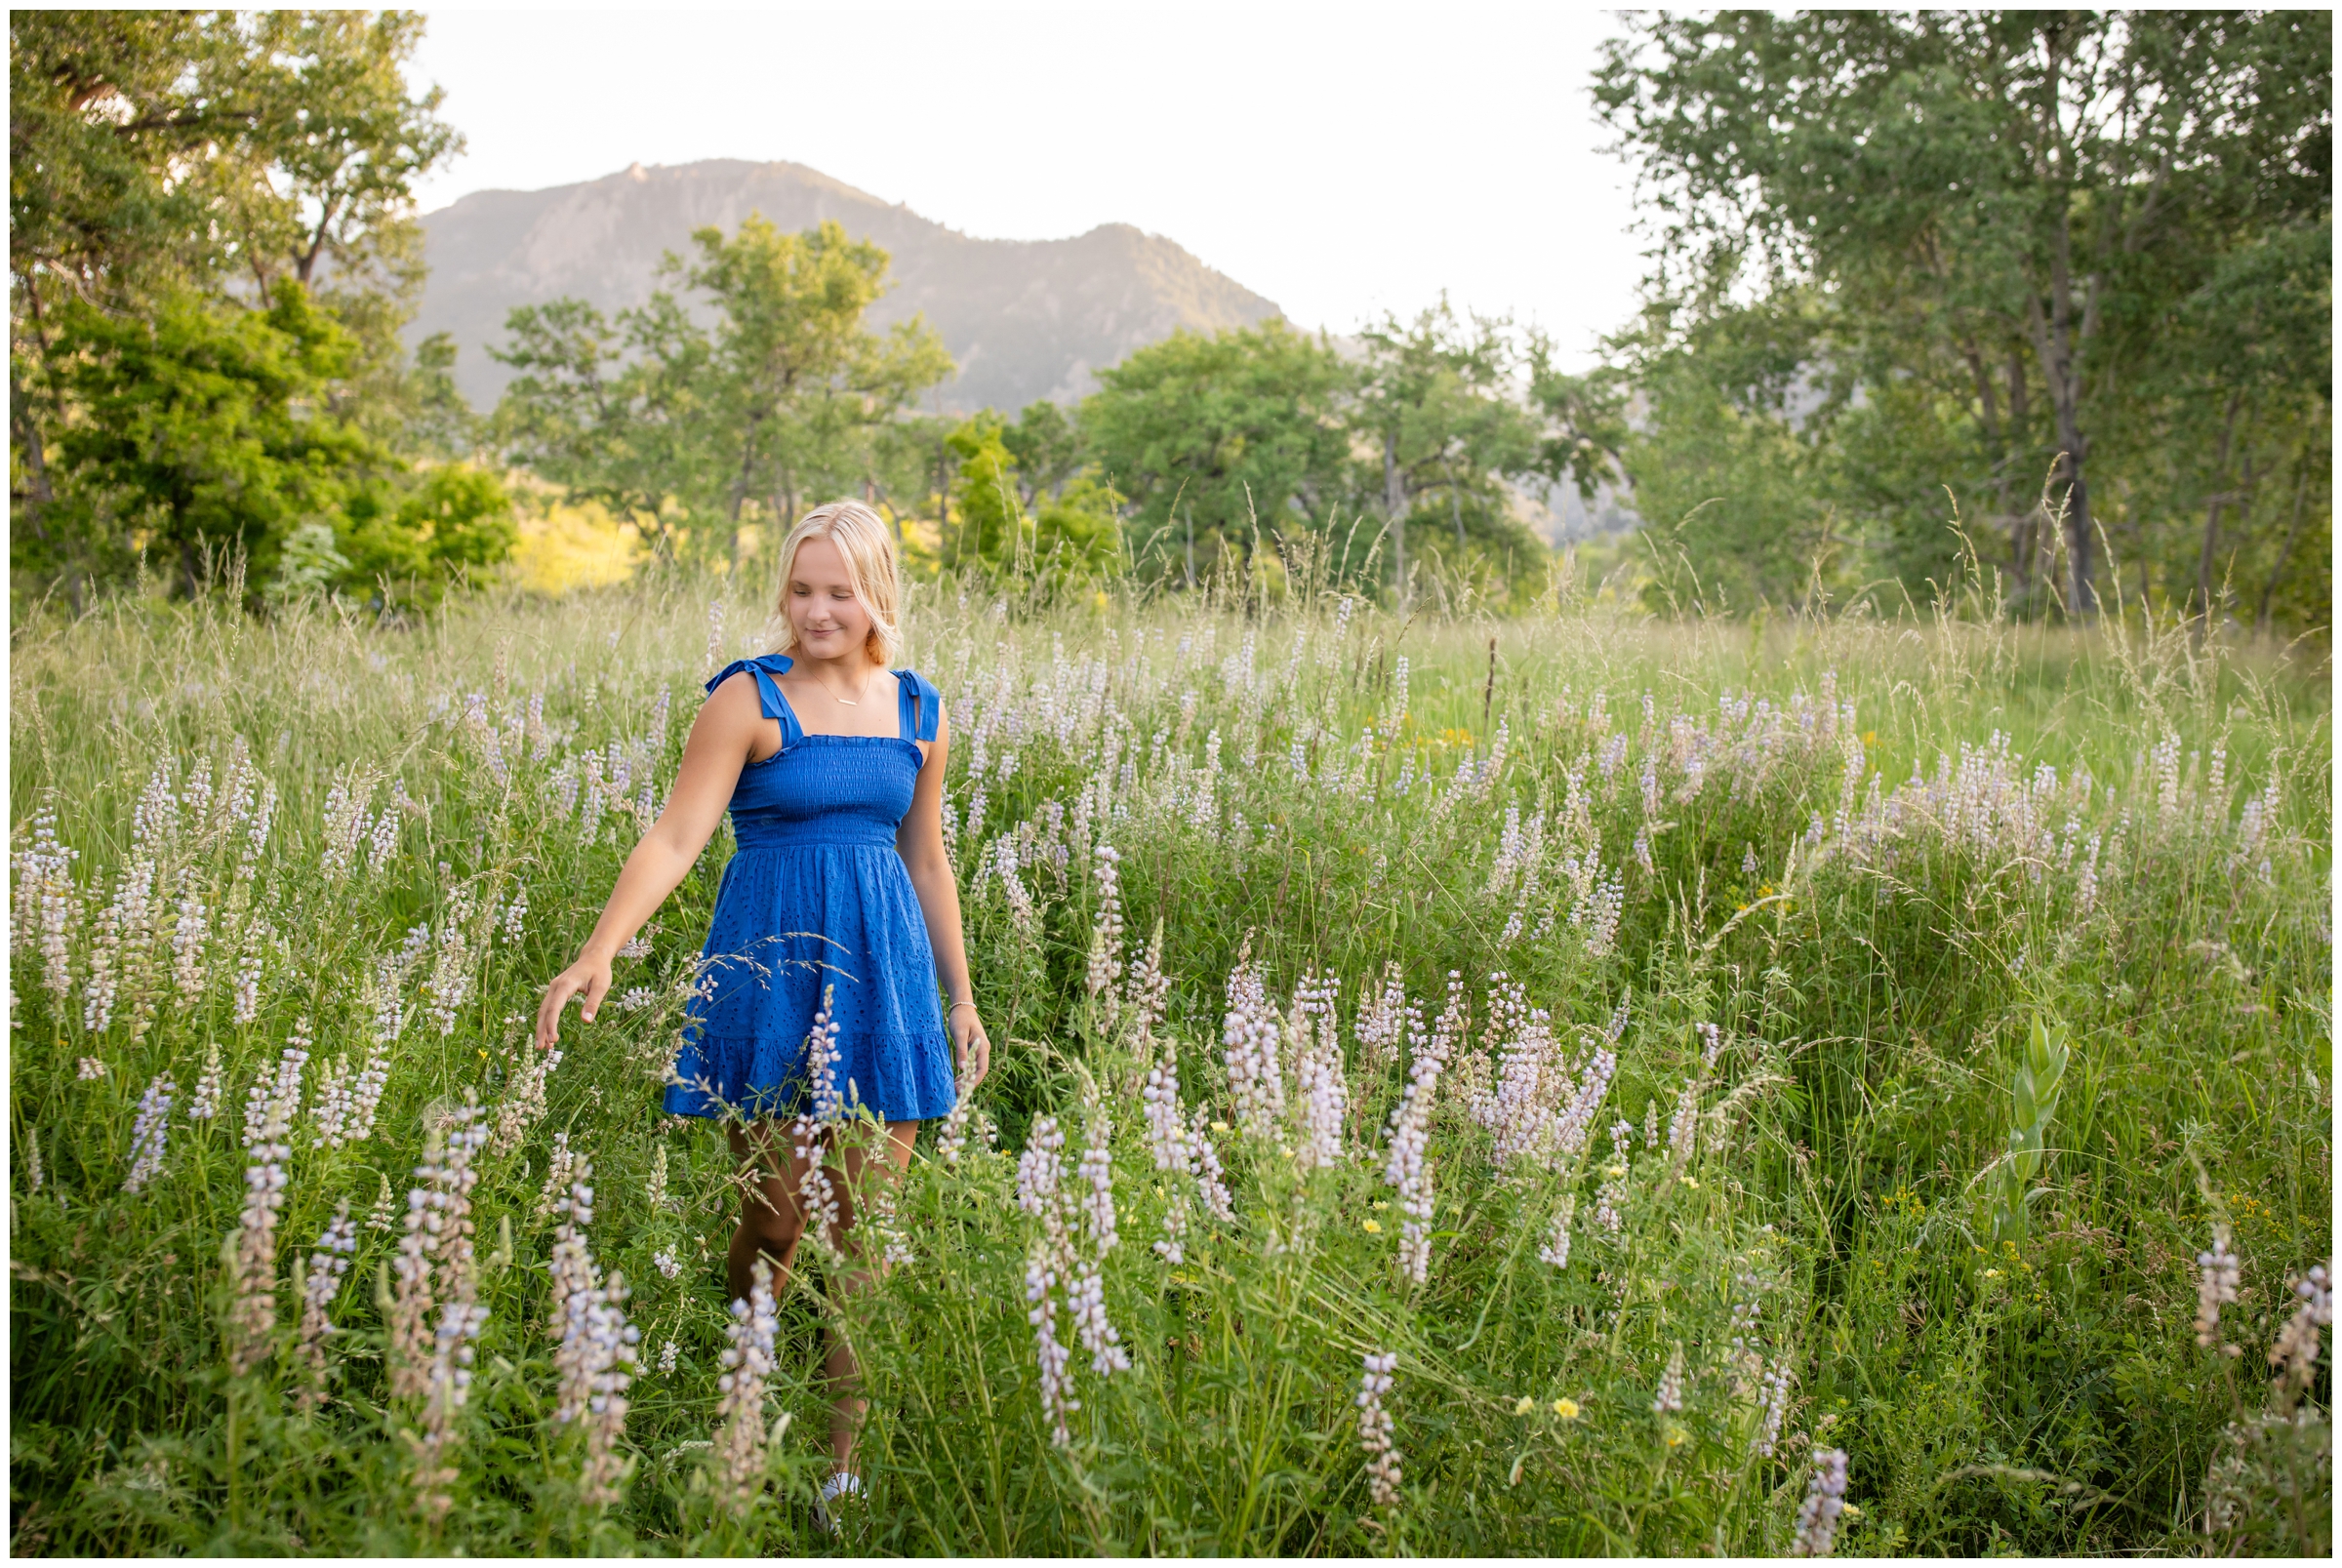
<point>956,1006</point>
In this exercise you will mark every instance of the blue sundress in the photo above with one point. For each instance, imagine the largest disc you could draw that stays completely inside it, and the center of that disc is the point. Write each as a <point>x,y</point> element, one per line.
<point>817,896</point>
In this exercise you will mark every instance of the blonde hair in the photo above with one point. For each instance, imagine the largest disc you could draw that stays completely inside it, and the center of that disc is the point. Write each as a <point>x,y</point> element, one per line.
<point>863,538</point>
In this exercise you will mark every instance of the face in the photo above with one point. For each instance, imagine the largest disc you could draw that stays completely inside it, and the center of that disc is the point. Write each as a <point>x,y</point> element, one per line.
<point>830,623</point>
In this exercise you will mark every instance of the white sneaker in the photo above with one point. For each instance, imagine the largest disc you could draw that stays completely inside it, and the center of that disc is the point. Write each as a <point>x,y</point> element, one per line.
<point>844,1484</point>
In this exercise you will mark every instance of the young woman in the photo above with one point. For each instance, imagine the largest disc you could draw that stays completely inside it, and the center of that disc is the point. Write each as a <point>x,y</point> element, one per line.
<point>833,770</point>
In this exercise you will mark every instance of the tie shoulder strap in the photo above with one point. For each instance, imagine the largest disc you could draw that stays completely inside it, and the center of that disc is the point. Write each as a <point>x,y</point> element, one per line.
<point>774,705</point>
<point>921,706</point>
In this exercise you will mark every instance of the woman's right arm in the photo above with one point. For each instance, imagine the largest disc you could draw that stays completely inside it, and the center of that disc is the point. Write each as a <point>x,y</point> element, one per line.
<point>721,739</point>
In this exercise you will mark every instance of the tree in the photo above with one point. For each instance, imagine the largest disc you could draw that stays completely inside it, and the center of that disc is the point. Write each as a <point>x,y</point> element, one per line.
<point>169,171</point>
<point>1074,536</point>
<point>803,381</point>
<point>204,430</point>
<point>1981,189</point>
<point>1211,438</point>
<point>628,415</point>
<point>685,429</point>
<point>1436,398</point>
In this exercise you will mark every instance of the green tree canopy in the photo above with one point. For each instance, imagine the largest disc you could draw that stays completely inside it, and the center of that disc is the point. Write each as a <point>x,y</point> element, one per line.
<point>1206,434</point>
<point>1998,220</point>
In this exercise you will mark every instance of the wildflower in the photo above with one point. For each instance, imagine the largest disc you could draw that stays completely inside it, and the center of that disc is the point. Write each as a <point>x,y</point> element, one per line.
<point>1106,945</point>
<point>1523,1405</point>
<point>1556,1250</point>
<point>668,1354</point>
<point>1825,1498</point>
<point>1373,1227</point>
<point>366,1096</point>
<point>150,1133</point>
<point>524,1103</point>
<point>1323,1091</point>
<point>1057,1385</point>
<point>2295,1352</point>
<point>1566,1408</point>
<point>596,1357</point>
<point>378,1216</point>
<point>32,1160</point>
<point>666,1261</point>
<point>634,999</point>
<point>1669,1399</point>
<point>1167,1139</point>
<point>1147,990</point>
<point>1772,1405</point>
<point>1410,1123</point>
<point>1682,1128</point>
<point>954,1136</point>
<point>47,905</point>
<point>90,1070</point>
<point>1209,1181</point>
<point>320,1284</point>
<point>1249,1031</point>
<point>1383,1473</point>
<point>251,1318</point>
<point>2218,1273</point>
<point>748,1363</point>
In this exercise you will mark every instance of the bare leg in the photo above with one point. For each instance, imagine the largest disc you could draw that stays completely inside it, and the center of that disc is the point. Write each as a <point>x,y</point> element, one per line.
<point>862,1166</point>
<point>772,1222</point>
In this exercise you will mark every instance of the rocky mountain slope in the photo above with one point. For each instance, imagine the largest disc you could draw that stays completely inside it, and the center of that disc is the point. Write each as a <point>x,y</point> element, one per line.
<point>1025,319</point>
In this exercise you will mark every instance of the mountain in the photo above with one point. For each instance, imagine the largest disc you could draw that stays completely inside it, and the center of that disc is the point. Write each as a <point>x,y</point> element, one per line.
<point>1025,319</point>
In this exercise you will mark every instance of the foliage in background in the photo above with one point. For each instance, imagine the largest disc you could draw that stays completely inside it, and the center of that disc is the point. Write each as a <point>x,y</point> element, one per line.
<point>1991,248</point>
<point>211,248</point>
<point>1717,955</point>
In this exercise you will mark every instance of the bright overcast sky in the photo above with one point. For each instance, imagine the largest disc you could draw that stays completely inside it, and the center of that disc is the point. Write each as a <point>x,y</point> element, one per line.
<point>1341,162</point>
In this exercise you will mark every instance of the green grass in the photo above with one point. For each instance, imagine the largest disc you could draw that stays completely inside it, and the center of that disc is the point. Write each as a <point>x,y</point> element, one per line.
<point>2032,1393</point>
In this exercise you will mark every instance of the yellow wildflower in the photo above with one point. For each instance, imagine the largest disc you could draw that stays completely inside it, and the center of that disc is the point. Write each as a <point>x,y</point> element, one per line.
<point>1524,1405</point>
<point>1374,1228</point>
<point>1566,1408</point>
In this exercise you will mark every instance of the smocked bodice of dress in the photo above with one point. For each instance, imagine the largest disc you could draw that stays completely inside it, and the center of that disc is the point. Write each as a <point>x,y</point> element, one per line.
<point>840,789</point>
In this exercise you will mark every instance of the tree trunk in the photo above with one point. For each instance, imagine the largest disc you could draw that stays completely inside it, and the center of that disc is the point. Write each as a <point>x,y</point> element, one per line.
<point>2211,515</point>
<point>1395,502</point>
<point>1995,452</point>
<point>2053,345</point>
<point>2277,573</point>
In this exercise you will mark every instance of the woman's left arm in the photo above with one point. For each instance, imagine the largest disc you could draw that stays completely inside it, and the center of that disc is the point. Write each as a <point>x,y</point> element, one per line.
<point>920,843</point>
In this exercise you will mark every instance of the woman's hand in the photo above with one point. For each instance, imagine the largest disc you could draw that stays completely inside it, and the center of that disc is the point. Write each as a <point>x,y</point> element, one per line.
<point>971,1047</point>
<point>590,976</point>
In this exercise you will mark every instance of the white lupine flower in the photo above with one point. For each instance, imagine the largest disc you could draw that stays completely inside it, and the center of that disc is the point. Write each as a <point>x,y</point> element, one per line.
<point>1057,1382</point>
<point>205,1104</point>
<point>268,1125</point>
<point>1256,1078</point>
<point>524,1101</point>
<point>321,1282</point>
<point>90,1068</point>
<point>1383,1473</point>
<point>1106,945</point>
<point>1773,1403</point>
<point>1825,1499</point>
<point>2294,1355</point>
<point>1682,1128</point>
<point>331,1111</point>
<point>667,1263</point>
<point>1408,1169</point>
<point>2218,1274</point>
<point>747,1363</point>
<point>1556,1250</point>
<point>48,905</point>
<point>150,1133</point>
<point>366,1096</point>
<point>1210,1184</point>
<point>1668,1400</point>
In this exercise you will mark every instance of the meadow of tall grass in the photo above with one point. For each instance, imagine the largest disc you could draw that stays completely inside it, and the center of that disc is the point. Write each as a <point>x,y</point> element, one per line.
<point>1561,1083</point>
